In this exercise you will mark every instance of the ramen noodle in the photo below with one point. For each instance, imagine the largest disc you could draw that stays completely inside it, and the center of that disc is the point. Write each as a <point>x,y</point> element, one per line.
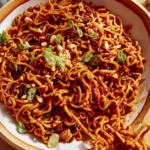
<point>72,70</point>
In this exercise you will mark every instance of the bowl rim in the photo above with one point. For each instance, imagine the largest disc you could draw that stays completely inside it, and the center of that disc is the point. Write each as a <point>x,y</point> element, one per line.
<point>133,5</point>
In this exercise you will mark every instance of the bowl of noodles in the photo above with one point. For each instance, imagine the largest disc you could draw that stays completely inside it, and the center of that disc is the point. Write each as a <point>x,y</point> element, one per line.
<point>75,74</point>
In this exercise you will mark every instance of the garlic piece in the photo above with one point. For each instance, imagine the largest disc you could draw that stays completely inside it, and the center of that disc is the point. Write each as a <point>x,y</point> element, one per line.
<point>59,48</point>
<point>27,19</point>
<point>44,44</point>
<point>106,45</point>
<point>53,39</point>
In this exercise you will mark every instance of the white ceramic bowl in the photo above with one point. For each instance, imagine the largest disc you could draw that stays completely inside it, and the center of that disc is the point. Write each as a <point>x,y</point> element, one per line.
<point>131,12</point>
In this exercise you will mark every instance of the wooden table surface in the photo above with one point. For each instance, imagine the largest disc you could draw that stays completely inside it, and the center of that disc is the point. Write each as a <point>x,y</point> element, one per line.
<point>3,144</point>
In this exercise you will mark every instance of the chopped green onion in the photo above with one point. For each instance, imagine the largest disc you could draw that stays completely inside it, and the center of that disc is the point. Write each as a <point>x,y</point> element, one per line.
<point>3,38</point>
<point>53,140</point>
<point>31,58</point>
<point>31,93</point>
<point>54,60</point>
<point>48,49</point>
<point>59,63</point>
<point>87,56</point>
<point>81,62</point>
<point>21,128</point>
<point>121,57</point>
<point>49,57</point>
<point>70,23</point>
<point>20,124</point>
<point>93,35</point>
<point>58,39</point>
<point>79,31</point>
<point>15,66</point>
<point>15,49</point>
<point>23,46</point>
<point>95,60</point>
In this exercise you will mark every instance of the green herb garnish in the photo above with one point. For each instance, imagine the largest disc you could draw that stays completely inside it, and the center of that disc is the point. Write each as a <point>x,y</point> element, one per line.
<point>15,66</point>
<point>21,128</point>
<point>48,49</point>
<point>53,140</point>
<point>58,39</point>
<point>59,63</point>
<point>91,59</point>
<point>23,46</point>
<point>31,58</point>
<point>3,38</point>
<point>70,23</point>
<point>93,35</point>
<point>15,49</point>
<point>79,31</point>
<point>95,60</point>
<point>121,57</point>
<point>49,57</point>
<point>87,56</point>
<point>53,60</point>
<point>31,93</point>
